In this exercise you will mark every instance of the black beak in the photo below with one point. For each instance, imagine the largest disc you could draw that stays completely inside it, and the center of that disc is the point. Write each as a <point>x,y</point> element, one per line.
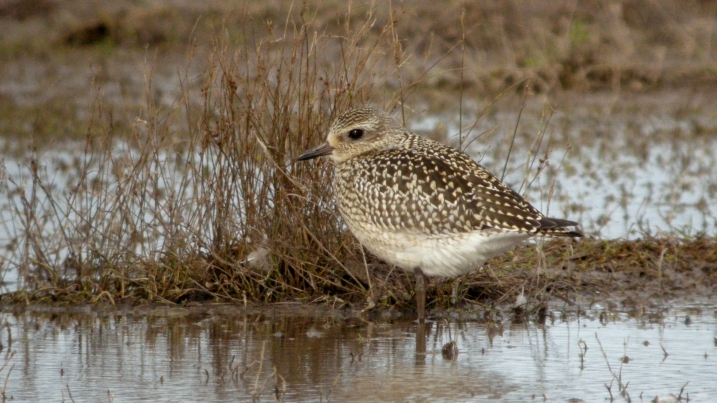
<point>320,151</point>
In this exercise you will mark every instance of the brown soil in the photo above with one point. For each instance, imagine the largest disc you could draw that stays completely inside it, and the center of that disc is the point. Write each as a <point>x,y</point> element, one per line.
<point>636,274</point>
<point>53,53</point>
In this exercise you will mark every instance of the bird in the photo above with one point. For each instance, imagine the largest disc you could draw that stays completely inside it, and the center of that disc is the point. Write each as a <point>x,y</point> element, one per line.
<point>423,206</point>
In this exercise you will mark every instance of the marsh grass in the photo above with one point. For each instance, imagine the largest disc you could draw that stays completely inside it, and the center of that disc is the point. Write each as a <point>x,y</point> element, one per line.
<point>201,199</point>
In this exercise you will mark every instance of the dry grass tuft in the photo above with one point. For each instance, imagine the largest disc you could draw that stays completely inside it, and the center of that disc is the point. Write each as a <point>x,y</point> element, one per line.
<point>204,200</point>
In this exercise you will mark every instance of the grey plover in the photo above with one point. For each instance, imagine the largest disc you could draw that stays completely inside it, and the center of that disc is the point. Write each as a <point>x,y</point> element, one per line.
<point>421,205</point>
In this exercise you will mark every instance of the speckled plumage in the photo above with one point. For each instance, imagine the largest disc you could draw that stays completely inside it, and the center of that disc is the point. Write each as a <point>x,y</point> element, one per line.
<point>421,205</point>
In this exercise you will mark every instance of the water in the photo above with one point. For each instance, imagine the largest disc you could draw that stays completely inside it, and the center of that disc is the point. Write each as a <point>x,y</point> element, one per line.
<point>627,174</point>
<point>229,354</point>
<point>641,166</point>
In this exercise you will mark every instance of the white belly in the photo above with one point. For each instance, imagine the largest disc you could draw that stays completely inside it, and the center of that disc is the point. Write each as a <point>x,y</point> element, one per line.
<point>442,255</point>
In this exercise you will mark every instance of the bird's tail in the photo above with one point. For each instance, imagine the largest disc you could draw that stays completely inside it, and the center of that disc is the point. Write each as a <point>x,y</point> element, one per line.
<point>557,227</point>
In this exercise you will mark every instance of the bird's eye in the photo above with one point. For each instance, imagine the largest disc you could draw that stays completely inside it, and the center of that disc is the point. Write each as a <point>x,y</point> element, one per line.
<point>355,134</point>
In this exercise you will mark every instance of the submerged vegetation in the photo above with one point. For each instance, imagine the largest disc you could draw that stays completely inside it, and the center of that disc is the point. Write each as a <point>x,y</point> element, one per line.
<point>196,196</point>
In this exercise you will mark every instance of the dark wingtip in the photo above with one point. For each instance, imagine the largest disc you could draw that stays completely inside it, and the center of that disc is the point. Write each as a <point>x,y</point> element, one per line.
<point>569,234</point>
<point>558,227</point>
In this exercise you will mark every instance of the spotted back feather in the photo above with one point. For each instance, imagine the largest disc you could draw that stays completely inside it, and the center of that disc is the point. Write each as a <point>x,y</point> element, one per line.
<point>423,186</point>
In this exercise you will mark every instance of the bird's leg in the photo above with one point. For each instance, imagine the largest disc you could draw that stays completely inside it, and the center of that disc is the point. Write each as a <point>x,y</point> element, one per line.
<point>420,294</point>
<point>454,293</point>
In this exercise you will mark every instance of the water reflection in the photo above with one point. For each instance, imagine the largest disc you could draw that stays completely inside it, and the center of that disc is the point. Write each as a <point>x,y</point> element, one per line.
<point>228,354</point>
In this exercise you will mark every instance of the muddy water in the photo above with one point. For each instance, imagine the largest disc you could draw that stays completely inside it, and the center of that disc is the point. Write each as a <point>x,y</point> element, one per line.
<point>229,354</point>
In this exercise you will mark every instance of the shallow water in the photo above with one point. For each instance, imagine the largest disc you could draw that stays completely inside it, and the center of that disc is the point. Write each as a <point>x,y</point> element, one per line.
<point>228,354</point>
<point>622,168</point>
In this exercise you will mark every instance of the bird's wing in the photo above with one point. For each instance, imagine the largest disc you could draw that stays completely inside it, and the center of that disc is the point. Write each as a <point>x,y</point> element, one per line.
<point>413,190</point>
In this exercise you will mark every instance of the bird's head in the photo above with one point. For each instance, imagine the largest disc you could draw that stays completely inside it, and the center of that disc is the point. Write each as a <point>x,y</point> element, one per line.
<point>357,132</point>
